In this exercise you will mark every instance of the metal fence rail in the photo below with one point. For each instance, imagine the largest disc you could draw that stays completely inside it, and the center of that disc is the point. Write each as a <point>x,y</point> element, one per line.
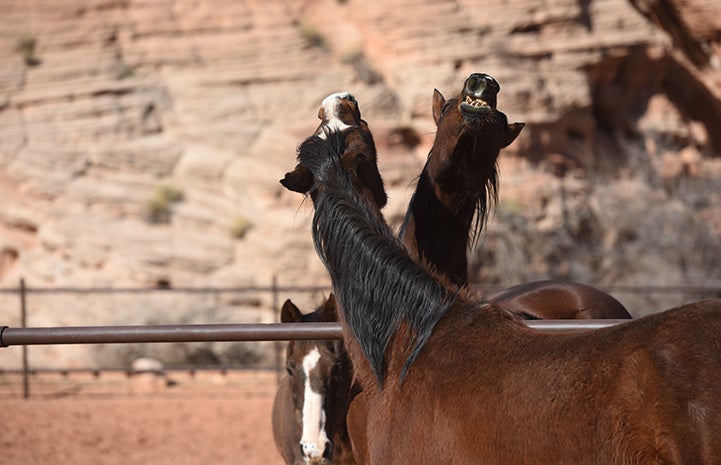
<point>168,333</point>
<point>218,332</point>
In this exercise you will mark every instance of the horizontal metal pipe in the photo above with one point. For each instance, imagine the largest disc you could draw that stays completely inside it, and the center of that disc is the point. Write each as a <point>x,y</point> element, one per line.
<point>219,332</point>
<point>161,290</point>
<point>168,333</point>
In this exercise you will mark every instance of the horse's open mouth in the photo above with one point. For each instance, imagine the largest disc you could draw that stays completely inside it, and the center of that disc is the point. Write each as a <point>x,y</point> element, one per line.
<point>476,102</point>
<point>479,95</point>
<point>476,106</point>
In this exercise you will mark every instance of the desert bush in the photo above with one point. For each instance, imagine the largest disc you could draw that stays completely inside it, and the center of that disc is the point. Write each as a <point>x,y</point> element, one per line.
<point>158,209</point>
<point>240,227</point>
<point>312,36</point>
<point>26,47</point>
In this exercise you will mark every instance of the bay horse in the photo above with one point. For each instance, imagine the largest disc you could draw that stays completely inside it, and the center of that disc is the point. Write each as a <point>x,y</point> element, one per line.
<point>310,406</point>
<point>452,378</point>
<point>459,183</point>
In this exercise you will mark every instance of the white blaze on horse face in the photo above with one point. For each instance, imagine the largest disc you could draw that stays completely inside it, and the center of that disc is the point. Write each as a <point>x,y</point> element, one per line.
<point>314,437</point>
<point>331,116</point>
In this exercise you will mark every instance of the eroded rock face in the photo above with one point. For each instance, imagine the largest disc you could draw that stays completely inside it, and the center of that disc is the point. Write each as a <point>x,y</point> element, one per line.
<point>108,108</point>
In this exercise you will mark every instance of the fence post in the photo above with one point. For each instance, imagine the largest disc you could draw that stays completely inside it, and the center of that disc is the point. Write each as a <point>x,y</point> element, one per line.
<point>24,324</point>
<point>276,318</point>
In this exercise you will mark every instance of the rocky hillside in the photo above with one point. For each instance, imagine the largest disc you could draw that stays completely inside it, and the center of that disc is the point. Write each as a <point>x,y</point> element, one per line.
<point>141,141</point>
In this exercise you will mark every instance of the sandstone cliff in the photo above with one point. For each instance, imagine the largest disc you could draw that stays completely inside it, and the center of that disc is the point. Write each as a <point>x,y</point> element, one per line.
<point>141,140</point>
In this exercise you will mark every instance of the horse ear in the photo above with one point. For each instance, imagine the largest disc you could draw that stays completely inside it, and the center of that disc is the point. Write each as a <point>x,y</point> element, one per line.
<point>438,101</point>
<point>512,132</point>
<point>330,309</point>
<point>290,313</point>
<point>298,180</point>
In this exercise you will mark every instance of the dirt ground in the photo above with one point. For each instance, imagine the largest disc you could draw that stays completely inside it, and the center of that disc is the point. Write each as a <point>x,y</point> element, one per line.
<point>205,418</point>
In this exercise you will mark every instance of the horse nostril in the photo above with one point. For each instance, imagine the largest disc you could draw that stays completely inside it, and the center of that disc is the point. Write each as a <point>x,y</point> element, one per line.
<point>475,84</point>
<point>310,451</point>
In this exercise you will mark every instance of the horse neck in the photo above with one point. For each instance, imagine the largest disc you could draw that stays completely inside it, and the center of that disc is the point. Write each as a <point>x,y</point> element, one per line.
<point>453,187</point>
<point>377,284</point>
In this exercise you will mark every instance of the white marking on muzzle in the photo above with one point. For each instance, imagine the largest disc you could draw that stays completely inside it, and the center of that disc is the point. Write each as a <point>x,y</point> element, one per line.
<point>330,106</point>
<point>314,438</point>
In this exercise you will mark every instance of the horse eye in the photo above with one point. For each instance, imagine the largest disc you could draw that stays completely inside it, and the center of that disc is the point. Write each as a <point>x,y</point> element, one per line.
<point>290,371</point>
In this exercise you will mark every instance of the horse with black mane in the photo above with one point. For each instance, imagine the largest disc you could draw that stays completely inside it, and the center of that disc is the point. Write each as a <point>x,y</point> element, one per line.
<point>450,377</point>
<point>459,185</point>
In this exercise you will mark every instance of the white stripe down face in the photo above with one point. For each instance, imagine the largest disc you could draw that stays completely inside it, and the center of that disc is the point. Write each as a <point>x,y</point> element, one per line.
<point>314,438</point>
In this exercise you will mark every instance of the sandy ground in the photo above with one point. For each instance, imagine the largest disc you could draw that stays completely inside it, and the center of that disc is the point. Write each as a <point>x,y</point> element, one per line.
<point>208,418</point>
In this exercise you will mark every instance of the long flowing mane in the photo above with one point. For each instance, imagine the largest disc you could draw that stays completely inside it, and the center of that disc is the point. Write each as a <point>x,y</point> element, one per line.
<point>486,200</point>
<point>378,285</point>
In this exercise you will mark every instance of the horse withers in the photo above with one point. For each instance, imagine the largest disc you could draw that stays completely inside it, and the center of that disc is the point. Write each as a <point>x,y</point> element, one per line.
<point>452,378</point>
<point>310,406</point>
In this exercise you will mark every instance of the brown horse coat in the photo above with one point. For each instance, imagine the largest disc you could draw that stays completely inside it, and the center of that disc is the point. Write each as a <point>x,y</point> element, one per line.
<point>487,389</point>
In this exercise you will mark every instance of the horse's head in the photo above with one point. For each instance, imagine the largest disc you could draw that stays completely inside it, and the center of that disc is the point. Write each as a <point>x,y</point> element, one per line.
<point>471,131</point>
<point>340,112</point>
<point>473,113</point>
<point>318,373</point>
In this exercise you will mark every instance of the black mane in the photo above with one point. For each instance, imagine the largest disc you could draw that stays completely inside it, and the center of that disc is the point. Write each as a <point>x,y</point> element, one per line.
<point>377,284</point>
<point>486,200</point>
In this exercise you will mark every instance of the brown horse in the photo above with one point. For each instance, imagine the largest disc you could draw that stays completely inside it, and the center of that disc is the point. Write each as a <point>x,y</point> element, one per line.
<point>310,406</point>
<point>452,378</point>
<point>459,182</point>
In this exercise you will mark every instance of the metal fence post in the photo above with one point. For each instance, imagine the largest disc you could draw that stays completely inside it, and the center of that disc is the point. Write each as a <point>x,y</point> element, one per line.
<point>24,324</point>
<point>276,318</point>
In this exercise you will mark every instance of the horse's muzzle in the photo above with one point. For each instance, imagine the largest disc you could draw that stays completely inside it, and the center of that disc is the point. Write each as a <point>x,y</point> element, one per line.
<point>313,455</point>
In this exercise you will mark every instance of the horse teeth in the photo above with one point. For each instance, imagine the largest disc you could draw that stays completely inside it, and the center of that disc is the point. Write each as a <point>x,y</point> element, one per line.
<point>476,102</point>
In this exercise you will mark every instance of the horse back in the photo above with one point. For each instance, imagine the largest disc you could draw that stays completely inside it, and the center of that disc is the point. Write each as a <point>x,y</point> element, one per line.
<point>559,300</point>
<point>669,388</point>
<point>646,392</point>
